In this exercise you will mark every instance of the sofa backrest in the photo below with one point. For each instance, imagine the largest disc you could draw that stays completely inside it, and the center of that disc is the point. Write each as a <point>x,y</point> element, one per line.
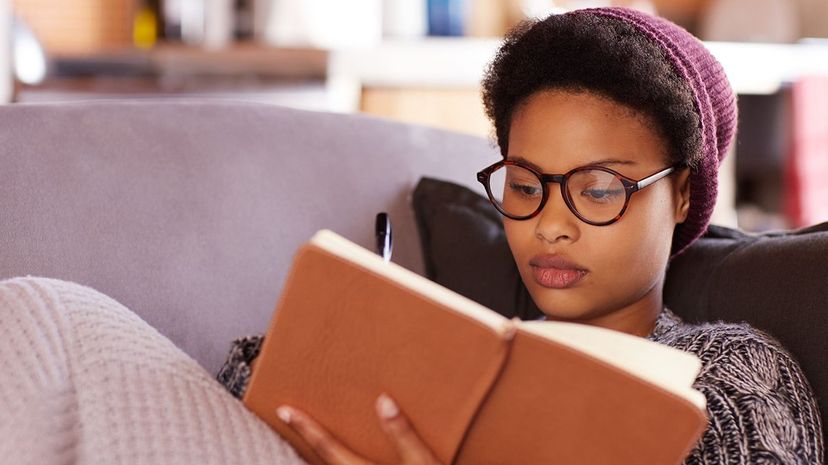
<point>189,213</point>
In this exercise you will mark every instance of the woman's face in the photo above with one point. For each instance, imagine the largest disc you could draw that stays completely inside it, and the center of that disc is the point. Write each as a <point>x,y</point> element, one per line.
<point>602,275</point>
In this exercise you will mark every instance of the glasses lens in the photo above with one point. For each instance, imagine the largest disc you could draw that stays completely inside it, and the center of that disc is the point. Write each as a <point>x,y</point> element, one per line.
<point>517,191</point>
<point>597,195</point>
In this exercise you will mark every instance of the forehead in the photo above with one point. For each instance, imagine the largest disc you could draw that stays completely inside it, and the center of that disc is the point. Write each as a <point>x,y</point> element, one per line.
<point>560,130</point>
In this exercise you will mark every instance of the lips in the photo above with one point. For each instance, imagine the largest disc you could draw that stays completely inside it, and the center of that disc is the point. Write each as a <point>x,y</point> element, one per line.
<point>556,272</point>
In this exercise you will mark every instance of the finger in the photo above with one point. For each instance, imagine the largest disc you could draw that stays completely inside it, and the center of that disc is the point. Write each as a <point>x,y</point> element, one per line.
<point>410,447</point>
<point>329,449</point>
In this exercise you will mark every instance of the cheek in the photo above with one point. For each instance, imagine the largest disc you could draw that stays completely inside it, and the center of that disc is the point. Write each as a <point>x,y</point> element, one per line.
<point>519,236</point>
<point>648,228</point>
<point>629,260</point>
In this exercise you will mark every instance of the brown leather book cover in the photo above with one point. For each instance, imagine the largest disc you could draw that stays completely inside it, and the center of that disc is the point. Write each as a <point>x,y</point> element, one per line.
<point>477,389</point>
<point>554,405</point>
<point>342,335</point>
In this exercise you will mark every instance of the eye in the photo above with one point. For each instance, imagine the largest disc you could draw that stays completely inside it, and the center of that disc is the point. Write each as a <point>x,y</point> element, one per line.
<point>525,190</point>
<point>602,195</point>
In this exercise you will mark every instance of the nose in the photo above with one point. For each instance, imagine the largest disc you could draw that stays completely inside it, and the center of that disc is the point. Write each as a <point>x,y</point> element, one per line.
<point>556,222</point>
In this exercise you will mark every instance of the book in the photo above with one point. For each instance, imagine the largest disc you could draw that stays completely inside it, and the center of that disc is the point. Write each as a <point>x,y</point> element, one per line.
<point>478,387</point>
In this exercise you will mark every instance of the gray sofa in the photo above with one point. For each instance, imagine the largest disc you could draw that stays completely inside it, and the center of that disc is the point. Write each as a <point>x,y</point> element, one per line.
<point>189,212</point>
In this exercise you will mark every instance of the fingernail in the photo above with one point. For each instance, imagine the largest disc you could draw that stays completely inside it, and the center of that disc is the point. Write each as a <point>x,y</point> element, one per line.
<point>386,407</point>
<point>284,414</point>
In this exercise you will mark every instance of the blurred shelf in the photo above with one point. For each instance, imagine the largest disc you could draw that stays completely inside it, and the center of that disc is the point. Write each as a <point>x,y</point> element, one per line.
<point>243,58</point>
<point>172,59</point>
<point>245,71</point>
<point>753,68</point>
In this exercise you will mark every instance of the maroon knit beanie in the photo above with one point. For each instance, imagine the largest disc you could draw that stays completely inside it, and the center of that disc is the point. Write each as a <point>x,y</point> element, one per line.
<point>714,101</point>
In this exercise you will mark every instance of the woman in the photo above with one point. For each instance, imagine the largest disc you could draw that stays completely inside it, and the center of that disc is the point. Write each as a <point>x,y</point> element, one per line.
<point>612,124</point>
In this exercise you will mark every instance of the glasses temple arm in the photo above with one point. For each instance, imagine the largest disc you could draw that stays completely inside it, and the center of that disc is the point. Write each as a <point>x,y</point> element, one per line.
<point>653,178</point>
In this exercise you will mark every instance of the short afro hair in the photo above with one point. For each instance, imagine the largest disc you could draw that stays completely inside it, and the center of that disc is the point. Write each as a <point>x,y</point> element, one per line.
<point>599,54</point>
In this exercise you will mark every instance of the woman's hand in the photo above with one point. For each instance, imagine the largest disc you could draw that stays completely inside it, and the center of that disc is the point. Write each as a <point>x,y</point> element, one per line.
<point>410,448</point>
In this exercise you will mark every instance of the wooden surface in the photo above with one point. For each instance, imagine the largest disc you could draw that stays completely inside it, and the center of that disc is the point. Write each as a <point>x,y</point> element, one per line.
<point>78,26</point>
<point>458,109</point>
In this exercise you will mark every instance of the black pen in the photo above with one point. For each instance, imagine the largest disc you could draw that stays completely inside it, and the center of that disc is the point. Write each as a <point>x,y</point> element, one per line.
<point>383,234</point>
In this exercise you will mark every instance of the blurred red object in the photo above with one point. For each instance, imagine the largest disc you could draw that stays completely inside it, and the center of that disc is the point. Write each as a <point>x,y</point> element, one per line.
<point>806,167</point>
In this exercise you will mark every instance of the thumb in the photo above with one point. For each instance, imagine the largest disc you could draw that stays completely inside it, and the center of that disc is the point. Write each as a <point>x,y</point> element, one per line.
<point>410,447</point>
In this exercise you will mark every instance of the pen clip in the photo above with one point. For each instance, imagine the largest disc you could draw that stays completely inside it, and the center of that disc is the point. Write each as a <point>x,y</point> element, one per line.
<point>384,236</point>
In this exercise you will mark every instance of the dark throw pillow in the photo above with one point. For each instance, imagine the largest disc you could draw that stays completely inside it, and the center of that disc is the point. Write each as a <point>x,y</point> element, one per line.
<point>464,248</point>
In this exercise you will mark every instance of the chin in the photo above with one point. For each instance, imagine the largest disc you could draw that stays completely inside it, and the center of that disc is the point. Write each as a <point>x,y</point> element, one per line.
<point>561,304</point>
<point>574,303</point>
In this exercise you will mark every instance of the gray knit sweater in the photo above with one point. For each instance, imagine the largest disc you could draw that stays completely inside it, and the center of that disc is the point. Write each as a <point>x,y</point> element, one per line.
<point>761,408</point>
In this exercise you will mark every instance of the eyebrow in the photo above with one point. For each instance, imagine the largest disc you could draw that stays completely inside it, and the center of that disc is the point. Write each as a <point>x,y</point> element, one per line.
<point>602,162</point>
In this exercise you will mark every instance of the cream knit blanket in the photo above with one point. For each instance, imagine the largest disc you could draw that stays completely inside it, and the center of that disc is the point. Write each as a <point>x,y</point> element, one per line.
<point>86,381</point>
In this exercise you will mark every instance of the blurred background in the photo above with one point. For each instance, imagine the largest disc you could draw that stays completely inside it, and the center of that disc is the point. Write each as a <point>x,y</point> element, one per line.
<point>421,61</point>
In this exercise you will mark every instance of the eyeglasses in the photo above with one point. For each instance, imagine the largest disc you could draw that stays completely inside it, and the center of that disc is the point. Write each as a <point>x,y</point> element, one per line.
<point>595,194</point>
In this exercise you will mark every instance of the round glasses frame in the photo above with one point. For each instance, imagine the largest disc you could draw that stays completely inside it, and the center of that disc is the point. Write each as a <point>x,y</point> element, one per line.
<point>630,186</point>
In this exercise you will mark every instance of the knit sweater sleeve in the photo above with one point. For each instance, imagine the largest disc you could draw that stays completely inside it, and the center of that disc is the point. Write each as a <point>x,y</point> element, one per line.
<point>760,406</point>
